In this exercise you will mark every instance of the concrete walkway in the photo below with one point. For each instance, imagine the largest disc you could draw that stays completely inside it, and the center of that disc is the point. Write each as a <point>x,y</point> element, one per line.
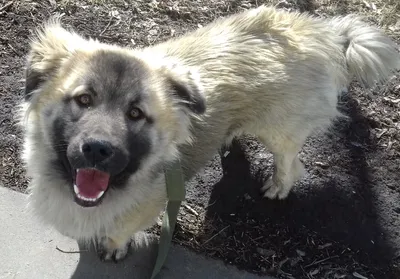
<point>28,250</point>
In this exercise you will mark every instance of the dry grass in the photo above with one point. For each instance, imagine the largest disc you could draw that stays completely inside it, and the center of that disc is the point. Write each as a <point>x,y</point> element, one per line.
<point>384,13</point>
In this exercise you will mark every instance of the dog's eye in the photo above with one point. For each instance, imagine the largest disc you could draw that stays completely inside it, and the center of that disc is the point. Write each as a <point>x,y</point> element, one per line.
<point>84,100</point>
<point>135,114</point>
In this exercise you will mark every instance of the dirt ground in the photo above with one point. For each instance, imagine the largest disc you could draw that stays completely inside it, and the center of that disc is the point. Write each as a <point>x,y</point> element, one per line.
<point>341,221</point>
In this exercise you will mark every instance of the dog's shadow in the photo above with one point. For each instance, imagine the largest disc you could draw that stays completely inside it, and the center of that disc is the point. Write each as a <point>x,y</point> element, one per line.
<point>342,209</point>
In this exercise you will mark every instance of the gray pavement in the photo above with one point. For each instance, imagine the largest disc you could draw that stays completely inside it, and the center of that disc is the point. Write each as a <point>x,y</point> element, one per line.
<point>28,250</point>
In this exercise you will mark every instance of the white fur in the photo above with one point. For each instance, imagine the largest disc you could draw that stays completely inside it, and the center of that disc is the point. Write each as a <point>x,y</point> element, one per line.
<point>51,199</point>
<point>264,72</point>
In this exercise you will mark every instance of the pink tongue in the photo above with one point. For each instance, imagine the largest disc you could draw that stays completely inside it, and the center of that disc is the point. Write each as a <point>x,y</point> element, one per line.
<point>91,182</point>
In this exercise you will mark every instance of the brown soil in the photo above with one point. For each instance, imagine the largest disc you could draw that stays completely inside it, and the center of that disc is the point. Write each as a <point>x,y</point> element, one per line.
<point>341,221</point>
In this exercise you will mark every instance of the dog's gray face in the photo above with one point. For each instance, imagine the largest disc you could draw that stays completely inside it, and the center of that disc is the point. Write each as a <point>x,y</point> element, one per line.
<point>103,128</point>
<point>106,131</point>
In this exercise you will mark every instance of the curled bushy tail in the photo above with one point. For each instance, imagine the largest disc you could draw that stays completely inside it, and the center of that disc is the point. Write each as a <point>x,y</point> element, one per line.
<point>371,55</point>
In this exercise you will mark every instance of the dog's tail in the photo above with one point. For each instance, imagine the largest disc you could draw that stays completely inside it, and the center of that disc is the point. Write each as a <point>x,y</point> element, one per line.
<point>372,57</point>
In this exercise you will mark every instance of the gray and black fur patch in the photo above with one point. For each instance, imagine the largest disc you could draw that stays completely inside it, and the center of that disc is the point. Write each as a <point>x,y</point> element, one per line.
<point>190,95</point>
<point>117,82</point>
<point>117,77</point>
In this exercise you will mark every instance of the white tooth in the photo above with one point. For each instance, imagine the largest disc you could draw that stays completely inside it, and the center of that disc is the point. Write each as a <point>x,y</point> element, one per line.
<point>87,199</point>
<point>99,195</point>
<point>78,170</point>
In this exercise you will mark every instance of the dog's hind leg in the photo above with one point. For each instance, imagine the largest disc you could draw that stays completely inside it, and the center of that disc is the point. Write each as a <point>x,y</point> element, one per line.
<point>287,166</point>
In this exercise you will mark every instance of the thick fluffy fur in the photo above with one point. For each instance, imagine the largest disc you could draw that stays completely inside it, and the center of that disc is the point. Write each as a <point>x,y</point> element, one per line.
<point>265,72</point>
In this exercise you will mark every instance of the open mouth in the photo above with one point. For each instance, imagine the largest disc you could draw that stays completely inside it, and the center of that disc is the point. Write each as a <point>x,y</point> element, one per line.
<point>90,186</point>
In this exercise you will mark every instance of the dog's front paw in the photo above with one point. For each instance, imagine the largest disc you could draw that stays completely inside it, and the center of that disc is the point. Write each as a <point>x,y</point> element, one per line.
<point>108,250</point>
<point>270,189</point>
<point>273,190</point>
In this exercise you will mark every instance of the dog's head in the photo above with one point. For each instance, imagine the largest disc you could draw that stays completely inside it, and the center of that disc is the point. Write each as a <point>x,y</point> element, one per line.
<point>104,112</point>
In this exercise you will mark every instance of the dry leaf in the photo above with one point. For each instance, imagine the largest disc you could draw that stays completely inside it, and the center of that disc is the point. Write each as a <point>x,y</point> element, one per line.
<point>114,14</point>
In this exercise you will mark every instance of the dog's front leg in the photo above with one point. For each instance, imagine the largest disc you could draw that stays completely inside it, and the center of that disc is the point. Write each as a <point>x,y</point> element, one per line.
<point>114,248</point>
<point>287,166</point>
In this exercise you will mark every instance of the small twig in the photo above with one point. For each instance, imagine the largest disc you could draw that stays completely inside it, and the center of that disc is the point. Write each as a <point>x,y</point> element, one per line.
<point>70,252</point>
<point>13,49</point>
<point>106,37</point>
<point>208,240</point>
<point>155,39</point>
<point>191,209</point>
<point>6,6</point>
<point>211,204</point>
<point>321,261</point>
<point>281,263</point>
<point>108,25</point>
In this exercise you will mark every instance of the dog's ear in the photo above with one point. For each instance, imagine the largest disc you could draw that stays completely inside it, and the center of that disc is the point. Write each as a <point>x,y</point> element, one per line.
<point>185,88</point>
<point>51,46</point>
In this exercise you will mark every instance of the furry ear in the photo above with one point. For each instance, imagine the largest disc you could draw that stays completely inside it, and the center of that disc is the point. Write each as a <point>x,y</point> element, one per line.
<point>33,79</point>
<point>51,46</point>
<point>186,89</point>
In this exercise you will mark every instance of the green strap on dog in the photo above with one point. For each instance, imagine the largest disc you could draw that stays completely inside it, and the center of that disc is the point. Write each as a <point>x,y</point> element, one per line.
<point>176,194</point>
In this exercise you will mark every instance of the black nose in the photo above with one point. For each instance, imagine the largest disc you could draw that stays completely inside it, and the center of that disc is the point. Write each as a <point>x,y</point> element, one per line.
<point>97,151</point>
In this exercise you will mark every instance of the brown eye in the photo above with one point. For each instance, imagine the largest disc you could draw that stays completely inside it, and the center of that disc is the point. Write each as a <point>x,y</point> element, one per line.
<point>135,114</point>
<point>84,100</point>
